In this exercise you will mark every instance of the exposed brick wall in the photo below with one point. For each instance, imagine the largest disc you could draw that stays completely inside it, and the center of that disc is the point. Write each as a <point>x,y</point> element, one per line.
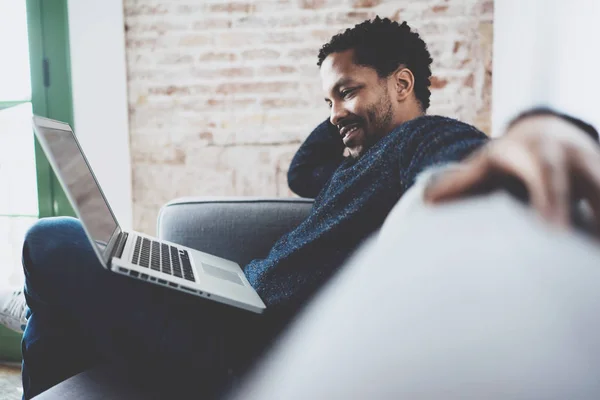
<point>222,93</point>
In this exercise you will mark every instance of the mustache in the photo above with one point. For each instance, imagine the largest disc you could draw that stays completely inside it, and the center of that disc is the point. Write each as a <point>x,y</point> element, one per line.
<point>355,119</point>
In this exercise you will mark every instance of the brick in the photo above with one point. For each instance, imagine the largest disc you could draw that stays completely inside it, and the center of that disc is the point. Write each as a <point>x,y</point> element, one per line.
<point>279,103</point>
<point>253,21</point>
<point>232,7</point>
<point>236,39</point>
<point>143,9</point>
<point>217,56</point>
<point>452,9</point>
<point>256,87</point>
<point>260,54</point>
<point>366,3</point>
<point>169,90</point>
<point>300,21</point>
<point>283,21</point>
<point>164,154</point>
<point>277,70</point>
<point>137,43</point>
<point>310,70</point>
<point>195,40</point>
<point>398,15</point>
<point>438,83</point>
<point>288,37</point>
<point>234,72</point>
<point>224,104</point>
<point>324,35</point>
<point>154,28</point>
<point>302,54</point>
<point>486,8</point>
<point>349,18</point>
<point>269,6</point>
<point>190,9</point>
<point>312,4</point>
<point>207,24</point>
<point>175,59</point>
<point>469,81</point>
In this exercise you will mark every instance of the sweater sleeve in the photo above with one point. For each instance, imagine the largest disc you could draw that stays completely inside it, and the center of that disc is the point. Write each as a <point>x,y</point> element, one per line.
<point>316,160</point>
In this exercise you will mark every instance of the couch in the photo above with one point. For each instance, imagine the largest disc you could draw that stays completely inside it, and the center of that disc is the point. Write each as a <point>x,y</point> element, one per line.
<point>478,299</point>
<point>238,229</point>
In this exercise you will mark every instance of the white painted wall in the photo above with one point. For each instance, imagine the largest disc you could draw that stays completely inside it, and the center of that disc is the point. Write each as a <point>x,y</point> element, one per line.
<point>546,52</point>
<point>99,77</point>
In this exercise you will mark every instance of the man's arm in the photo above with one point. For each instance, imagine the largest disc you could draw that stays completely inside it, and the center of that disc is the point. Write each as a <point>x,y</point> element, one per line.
<point>556,159</point>
<point>316,160</point>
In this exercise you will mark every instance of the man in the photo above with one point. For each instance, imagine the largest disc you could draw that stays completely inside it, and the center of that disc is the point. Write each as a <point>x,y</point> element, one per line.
<point>79,314</point>
<point>472,299</point>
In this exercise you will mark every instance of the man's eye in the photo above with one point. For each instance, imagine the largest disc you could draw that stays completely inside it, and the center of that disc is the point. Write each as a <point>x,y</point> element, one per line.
<point>347,92</point>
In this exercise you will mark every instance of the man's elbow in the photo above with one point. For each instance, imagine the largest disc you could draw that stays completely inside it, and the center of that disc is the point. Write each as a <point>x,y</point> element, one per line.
<point>299,184</point>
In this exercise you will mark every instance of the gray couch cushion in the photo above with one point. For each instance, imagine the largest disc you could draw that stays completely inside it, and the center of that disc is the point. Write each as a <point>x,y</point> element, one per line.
<point>239,229</point>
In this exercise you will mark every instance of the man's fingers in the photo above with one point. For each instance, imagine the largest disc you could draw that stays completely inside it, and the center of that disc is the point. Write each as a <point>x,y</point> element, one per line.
<point>456,183</point>
<point>587,179</point>
<point>521,162</point>
<point>555,171</point>
<point>543,173</point>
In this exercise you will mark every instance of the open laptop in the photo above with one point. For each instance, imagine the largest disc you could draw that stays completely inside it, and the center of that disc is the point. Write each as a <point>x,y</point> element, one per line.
<point>135,254</point>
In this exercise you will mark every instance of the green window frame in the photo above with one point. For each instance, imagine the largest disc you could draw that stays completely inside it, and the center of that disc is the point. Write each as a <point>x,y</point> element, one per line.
<point>51,97</point>
<point>49,53</point>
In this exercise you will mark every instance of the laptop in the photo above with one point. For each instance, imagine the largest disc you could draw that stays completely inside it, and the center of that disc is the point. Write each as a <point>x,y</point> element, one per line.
<point>134,254</point>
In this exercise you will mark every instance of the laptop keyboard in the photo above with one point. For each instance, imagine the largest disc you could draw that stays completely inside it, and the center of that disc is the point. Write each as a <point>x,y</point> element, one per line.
<point>163,258</point>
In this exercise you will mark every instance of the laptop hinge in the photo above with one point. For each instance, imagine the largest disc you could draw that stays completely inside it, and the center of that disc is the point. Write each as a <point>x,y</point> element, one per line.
<point>118,249</point>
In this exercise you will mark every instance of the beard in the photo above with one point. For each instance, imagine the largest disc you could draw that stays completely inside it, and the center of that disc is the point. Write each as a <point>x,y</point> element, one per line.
<point>380,117</point>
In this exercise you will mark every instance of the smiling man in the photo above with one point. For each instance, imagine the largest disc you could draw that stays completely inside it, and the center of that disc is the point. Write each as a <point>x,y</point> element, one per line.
<point>369,98</point>
<point>375,77</point>
<point>376,81</point>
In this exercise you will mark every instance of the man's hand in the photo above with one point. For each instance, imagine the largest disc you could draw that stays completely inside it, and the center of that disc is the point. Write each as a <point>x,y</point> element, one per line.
<point>553,158</point>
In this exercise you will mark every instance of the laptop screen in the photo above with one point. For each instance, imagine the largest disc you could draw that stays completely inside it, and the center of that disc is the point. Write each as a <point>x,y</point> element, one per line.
<point>76,175</point>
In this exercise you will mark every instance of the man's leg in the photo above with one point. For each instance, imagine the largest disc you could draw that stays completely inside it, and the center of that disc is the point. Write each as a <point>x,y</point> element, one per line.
<point>80,314</point>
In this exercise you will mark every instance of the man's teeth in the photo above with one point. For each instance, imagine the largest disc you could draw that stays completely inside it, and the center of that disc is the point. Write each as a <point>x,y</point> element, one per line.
<point>351,130</point>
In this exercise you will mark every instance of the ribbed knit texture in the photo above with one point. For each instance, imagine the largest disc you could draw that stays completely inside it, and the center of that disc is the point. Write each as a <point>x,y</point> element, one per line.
<point>354,204</point>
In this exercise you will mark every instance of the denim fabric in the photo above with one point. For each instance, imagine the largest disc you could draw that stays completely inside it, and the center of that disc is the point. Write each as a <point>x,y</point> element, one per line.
<point>81,314</point>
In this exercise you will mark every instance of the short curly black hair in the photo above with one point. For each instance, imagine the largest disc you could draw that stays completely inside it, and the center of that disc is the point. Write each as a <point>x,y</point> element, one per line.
<point>385,45</point>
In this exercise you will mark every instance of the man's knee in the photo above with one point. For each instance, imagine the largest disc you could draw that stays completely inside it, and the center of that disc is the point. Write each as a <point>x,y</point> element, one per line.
<point>49,239</point>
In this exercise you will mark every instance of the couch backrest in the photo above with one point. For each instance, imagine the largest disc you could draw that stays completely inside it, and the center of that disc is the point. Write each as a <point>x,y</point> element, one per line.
<point>239,229</point>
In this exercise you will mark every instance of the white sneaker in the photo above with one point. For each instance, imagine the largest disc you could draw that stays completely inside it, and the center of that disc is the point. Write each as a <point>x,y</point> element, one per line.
<point>12,309</point>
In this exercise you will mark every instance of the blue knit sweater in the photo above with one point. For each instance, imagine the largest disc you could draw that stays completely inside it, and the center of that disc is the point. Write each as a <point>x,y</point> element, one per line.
<point>352,205</point>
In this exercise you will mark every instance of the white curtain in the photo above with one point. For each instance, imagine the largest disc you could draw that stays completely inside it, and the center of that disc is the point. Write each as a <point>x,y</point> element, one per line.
<point>546,52</point>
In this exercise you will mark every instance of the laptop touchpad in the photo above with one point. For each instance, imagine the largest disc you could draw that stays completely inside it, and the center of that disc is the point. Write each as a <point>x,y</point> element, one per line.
<point>222,274</point>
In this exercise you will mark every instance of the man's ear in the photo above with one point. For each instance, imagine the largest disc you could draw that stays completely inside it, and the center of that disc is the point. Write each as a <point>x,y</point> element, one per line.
<point>404,83</point>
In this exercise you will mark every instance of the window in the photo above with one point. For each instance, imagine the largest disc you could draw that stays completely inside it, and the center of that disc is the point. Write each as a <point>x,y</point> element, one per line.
<point>18,196</point>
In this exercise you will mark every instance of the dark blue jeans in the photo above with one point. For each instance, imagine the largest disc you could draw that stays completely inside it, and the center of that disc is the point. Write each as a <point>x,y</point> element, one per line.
<point>81,315</point>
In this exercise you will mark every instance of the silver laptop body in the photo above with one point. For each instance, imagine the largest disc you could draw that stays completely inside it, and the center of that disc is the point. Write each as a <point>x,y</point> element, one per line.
<point>134,254</point>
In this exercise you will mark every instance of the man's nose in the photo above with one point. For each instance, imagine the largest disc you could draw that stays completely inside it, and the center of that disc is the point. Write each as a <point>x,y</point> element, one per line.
<point>338,113</point>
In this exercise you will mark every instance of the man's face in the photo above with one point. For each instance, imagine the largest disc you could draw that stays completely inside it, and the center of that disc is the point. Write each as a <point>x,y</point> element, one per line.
<point>360,102</point>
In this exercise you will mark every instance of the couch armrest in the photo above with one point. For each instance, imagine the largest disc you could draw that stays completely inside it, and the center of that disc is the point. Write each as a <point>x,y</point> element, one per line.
<point>239,229</point>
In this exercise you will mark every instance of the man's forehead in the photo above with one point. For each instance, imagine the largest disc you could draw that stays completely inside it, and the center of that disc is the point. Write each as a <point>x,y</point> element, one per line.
<point>339,68</point>
<point>339,60</point>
